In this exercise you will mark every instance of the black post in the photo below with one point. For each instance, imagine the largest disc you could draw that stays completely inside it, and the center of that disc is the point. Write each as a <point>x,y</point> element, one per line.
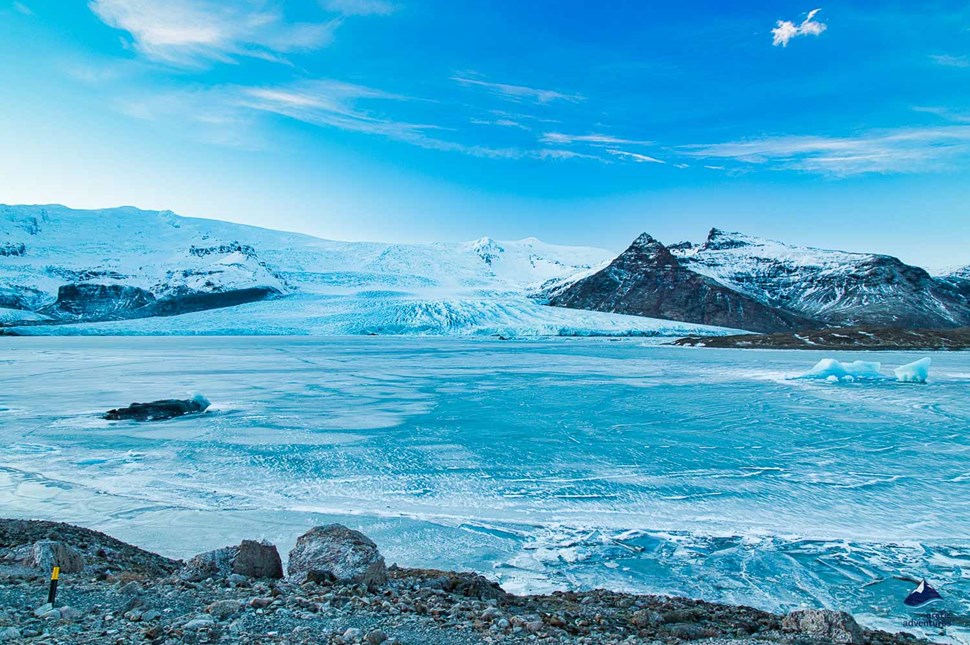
<point>52,594</point>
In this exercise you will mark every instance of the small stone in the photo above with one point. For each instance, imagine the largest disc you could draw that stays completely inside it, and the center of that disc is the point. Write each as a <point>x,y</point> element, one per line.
<point>198,623</point>
<point>150,615</point>
<point>43,609</point>
<point>375,637</point>
<point>645,618</point>
<point>69,613</point>
<point>131,589</point>
<point>223,609</point>
<point>260,603</point>
<point>351,634</point>
<point>9,634</point>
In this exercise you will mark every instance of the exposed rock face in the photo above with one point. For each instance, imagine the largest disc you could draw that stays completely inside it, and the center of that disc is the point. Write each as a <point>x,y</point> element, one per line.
<point>251,559</point>
<point>99,301</point>
<point>350,556</point>
<point>828,626</point>
<point>159,410</point>
<point>648,280</point>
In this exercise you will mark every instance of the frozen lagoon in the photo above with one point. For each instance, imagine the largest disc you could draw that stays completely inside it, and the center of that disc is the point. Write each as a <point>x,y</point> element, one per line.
<point>544,464</point>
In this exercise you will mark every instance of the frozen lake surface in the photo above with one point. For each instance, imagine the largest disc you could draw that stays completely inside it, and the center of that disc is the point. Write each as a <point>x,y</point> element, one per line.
<point>544,464</point>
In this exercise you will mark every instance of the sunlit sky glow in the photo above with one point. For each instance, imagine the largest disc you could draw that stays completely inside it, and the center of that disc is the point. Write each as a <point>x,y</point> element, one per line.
<point>838,125</point>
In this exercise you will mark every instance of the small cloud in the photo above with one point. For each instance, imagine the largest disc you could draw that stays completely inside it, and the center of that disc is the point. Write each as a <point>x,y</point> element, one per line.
<point>518,92</point>
<point>501,123</point>
<point>634,156</point>
<point>360,7</point>
<point>20,7</point>
<point>951,61</point>
<point>591,139</point>
<point>786,29</point>
<point>945,113</point>
<point>187,32</point>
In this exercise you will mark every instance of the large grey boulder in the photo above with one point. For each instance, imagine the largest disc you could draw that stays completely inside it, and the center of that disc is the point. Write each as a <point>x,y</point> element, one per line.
<point>44,555</point>
<point>251,559</point>
<point>825,625</point>
<point>348,555</point>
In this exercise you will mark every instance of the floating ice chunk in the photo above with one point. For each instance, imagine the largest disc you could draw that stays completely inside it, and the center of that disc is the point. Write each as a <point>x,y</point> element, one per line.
<point>915,372</point>
<point>834,371</point>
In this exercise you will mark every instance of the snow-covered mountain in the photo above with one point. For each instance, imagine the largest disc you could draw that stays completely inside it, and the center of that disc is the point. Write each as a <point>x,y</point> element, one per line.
<point>833,287</point>
<point>125,270</point>
<point>738,280</point>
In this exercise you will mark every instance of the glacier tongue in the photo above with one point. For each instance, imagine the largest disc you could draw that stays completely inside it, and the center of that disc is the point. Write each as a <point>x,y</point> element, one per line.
<point>479,288</point>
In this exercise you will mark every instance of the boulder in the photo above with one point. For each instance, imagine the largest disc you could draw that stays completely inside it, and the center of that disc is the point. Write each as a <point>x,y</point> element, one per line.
<point>350,556</point>
<point>159,410</point>
<point>258,560</point>
<point>251,559</point>
<point>824,624</point>
<point>44,555</point>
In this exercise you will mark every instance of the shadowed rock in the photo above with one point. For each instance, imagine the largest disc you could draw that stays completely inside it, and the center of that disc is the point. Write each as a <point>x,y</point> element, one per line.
<point>159,410</point>
<point>251,559</point>
<point>348,555</point>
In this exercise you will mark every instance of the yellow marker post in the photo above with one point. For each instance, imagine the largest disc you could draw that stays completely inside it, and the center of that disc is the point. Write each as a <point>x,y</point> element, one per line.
<point>52,594</point>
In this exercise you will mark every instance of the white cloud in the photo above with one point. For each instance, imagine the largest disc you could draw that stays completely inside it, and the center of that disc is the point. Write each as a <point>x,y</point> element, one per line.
<point>895,151</point>
<point>360,7</point>
<point>187,32</point>
<point>591,139</point>
<point>635,156</point>
<point>786,29</point>
<point>518,92</point>
<point>20,7</point>
<point>945,113</point>
<point>951,61</point>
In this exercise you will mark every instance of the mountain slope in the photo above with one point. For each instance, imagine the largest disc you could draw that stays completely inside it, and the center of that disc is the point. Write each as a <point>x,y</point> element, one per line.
<point>832,287</point>
<point>648,280</point>
<point>120,270</point>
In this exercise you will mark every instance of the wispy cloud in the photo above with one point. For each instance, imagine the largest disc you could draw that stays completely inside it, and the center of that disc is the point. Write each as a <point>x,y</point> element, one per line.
<point>518,92</point>
<point>190,32</point>
<point>786,29</point>
<point>360,7</point>
<point>501,123</point>
<point>951,61</point>
<point>945,113</point>
<point>901,150</point>
<point>592,139</point>
<point>20,7</point>
<point>634,156</point>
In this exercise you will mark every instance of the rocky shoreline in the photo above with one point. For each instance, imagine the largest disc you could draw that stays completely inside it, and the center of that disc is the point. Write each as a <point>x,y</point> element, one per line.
<point>846,339</point>
<point>338,589</point>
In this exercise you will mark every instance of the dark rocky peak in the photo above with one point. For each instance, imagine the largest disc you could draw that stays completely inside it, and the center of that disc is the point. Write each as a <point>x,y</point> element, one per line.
<point>646,248</point>
<point>718,240</point>
<point>680,247</point>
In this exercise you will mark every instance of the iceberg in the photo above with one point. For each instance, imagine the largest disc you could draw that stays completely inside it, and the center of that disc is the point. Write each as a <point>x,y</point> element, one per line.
<point>830,369</point>
<point>915,372</point>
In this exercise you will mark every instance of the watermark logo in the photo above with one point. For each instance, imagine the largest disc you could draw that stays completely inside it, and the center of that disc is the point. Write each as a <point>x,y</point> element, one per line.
<point>922,595</point>
<point>936,619</point>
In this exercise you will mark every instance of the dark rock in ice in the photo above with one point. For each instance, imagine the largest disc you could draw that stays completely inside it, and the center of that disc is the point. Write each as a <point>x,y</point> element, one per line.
<point>251,559</point>
<point>159,410</point>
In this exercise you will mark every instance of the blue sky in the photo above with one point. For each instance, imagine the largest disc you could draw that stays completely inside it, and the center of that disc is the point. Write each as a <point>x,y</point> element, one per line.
<point>840,125</point>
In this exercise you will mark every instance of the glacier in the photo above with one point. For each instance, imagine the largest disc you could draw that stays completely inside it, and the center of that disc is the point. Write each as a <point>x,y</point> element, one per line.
<point>311,286</point>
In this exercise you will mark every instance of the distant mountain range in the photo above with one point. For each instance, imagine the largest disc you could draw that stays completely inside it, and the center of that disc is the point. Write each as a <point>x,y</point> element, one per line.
<point>128,271</point>
<point>735,280</point>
